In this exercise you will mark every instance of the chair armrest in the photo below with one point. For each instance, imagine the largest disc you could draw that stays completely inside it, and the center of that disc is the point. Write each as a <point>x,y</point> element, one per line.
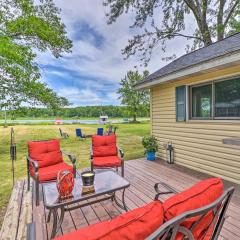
<point>70,156</point>
<point>33,163</point>
<point>31,231</point>
<point>170,190</point>
<point>121,152</point>
<point>91,153</point>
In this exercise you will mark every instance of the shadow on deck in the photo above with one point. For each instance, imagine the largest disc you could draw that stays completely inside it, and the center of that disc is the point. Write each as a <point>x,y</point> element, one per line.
<point>140,173</point>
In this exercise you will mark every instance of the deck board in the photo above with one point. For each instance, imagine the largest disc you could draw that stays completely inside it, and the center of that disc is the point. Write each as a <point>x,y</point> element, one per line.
<point>140,173</point>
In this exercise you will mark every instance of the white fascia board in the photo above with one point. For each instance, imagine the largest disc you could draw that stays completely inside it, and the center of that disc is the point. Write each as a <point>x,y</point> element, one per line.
<point>193,70</point>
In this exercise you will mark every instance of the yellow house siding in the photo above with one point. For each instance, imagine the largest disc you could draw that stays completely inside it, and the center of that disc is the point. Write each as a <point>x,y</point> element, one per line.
<point>198,144</point>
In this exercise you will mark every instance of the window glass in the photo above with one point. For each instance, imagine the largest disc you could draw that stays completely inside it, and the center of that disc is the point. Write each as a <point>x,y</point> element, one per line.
<point>202,101</point>
<point>227,98</point>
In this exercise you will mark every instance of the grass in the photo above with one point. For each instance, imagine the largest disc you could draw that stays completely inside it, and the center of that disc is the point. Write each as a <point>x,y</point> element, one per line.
<point>129,138</point>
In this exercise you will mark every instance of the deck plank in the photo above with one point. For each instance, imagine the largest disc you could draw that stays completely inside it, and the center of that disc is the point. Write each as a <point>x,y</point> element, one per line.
<point>141,174</point>
<point>26,212</point>
<point>39,216</point>
<point>11,219</point>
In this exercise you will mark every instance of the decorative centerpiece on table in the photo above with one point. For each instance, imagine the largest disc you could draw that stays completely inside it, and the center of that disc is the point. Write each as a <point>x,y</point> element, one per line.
<point>150,145</point>
<point>65,184</point>
<point>88,182</point>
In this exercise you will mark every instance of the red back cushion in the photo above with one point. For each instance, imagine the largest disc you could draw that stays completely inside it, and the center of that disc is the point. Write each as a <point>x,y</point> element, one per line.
<point>136,224</point>
<point>200,195</point>
<point>104,146</point>
<point>46,153</point>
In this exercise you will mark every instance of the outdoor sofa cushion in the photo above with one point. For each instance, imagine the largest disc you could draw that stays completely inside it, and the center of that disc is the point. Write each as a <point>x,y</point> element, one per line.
<point>111,161</point>
<point>46,153</point>
<point>104,146</point>
<point>199,195</point>
<point>136,224</point>
<point>50,173</point>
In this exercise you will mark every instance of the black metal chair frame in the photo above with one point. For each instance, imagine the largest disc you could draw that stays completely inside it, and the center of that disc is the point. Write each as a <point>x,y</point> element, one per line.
<point>121,153</point>
<point>35,166</point>
<point>170,229</point>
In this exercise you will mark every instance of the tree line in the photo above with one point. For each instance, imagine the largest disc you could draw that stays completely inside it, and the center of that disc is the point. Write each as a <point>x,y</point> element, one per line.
<point>76,112</point>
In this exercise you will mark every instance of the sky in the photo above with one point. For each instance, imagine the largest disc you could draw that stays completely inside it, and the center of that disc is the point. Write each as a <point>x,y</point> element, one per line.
<point>90,75</point>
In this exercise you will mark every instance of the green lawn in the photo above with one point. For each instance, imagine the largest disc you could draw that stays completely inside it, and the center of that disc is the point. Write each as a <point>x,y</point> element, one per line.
<point>129,138</point>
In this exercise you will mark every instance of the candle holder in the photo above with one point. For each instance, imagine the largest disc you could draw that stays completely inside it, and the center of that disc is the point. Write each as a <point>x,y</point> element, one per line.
<point>88,182</point>
<point>65,184</point>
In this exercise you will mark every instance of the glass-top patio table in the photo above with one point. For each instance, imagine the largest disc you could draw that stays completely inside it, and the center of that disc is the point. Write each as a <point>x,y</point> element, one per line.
<point>106,184</point>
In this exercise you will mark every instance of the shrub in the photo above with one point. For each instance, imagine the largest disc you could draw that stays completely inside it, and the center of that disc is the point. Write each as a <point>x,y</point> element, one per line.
<point>150,144</point>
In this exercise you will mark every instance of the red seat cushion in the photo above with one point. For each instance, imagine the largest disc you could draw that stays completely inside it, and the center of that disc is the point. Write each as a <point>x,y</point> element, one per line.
<point>104,146</point>
<point>111,161</point>
<point>200,195</point>
<point>136,224</point>
<point>46,153</point>
<point>50,172</point>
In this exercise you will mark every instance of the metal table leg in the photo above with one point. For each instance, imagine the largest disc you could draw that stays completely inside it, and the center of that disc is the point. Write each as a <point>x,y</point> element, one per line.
<point>57,222</point>
<point>49,216</point>
<point>123,205</point>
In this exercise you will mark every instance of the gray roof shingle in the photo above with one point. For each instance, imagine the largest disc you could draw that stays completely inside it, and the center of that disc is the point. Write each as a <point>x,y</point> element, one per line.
<point>217,49</point>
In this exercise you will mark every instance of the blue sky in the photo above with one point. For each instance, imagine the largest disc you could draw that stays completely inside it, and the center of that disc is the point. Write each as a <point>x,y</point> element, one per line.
<point>90,75</point>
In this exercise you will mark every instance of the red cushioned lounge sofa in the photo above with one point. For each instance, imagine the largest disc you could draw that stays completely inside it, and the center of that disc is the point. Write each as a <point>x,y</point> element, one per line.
<point>45,160</point>
<point>197,213</point>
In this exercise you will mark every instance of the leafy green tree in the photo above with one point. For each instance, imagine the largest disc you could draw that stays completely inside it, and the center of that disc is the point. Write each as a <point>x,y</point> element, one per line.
<point>74,113</point>
<point>161,20</point>
<point>136,101</point>
<point>25,29</point>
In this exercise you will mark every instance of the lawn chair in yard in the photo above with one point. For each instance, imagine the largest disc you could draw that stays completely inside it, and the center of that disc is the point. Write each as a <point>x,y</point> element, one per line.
<point>63,134</point>
<point>79,134</point>
<point>45,160</point>
<point>104,153</point>
<point>111,130</point>
<point>197,213</point>
<point>100,131</point>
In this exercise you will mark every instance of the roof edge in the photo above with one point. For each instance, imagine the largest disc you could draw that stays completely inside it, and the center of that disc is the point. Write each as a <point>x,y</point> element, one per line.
<point>199,67</point>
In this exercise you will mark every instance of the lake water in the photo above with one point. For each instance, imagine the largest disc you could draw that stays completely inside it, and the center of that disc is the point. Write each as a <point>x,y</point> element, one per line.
<point>68,121</point>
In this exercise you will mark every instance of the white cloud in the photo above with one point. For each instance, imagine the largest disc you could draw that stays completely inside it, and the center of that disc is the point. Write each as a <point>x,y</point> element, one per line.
<point>87,97</point>
<point>103,64</point>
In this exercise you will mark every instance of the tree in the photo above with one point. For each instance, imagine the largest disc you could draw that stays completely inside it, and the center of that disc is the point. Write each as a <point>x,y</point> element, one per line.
<point>25,29</point>
<point>136,101</point>
<point>162,20</point>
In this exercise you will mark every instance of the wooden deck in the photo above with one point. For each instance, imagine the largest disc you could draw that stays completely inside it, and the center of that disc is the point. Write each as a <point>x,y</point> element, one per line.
<point>140,173</point>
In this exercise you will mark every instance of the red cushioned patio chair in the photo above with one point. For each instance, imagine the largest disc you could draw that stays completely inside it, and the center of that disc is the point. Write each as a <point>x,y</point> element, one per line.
<point>197,213</point>
<point>45,160</point>
<point>104,153</point>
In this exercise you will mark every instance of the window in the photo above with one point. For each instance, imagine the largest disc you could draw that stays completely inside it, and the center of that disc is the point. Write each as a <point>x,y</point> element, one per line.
<point>215,100</point>
<point>227,98</point>
<point>181,103</point>
<point>202,101</point>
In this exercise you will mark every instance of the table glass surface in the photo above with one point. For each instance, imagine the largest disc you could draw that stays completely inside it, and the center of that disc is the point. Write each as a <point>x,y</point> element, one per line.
<point>105,182</point>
